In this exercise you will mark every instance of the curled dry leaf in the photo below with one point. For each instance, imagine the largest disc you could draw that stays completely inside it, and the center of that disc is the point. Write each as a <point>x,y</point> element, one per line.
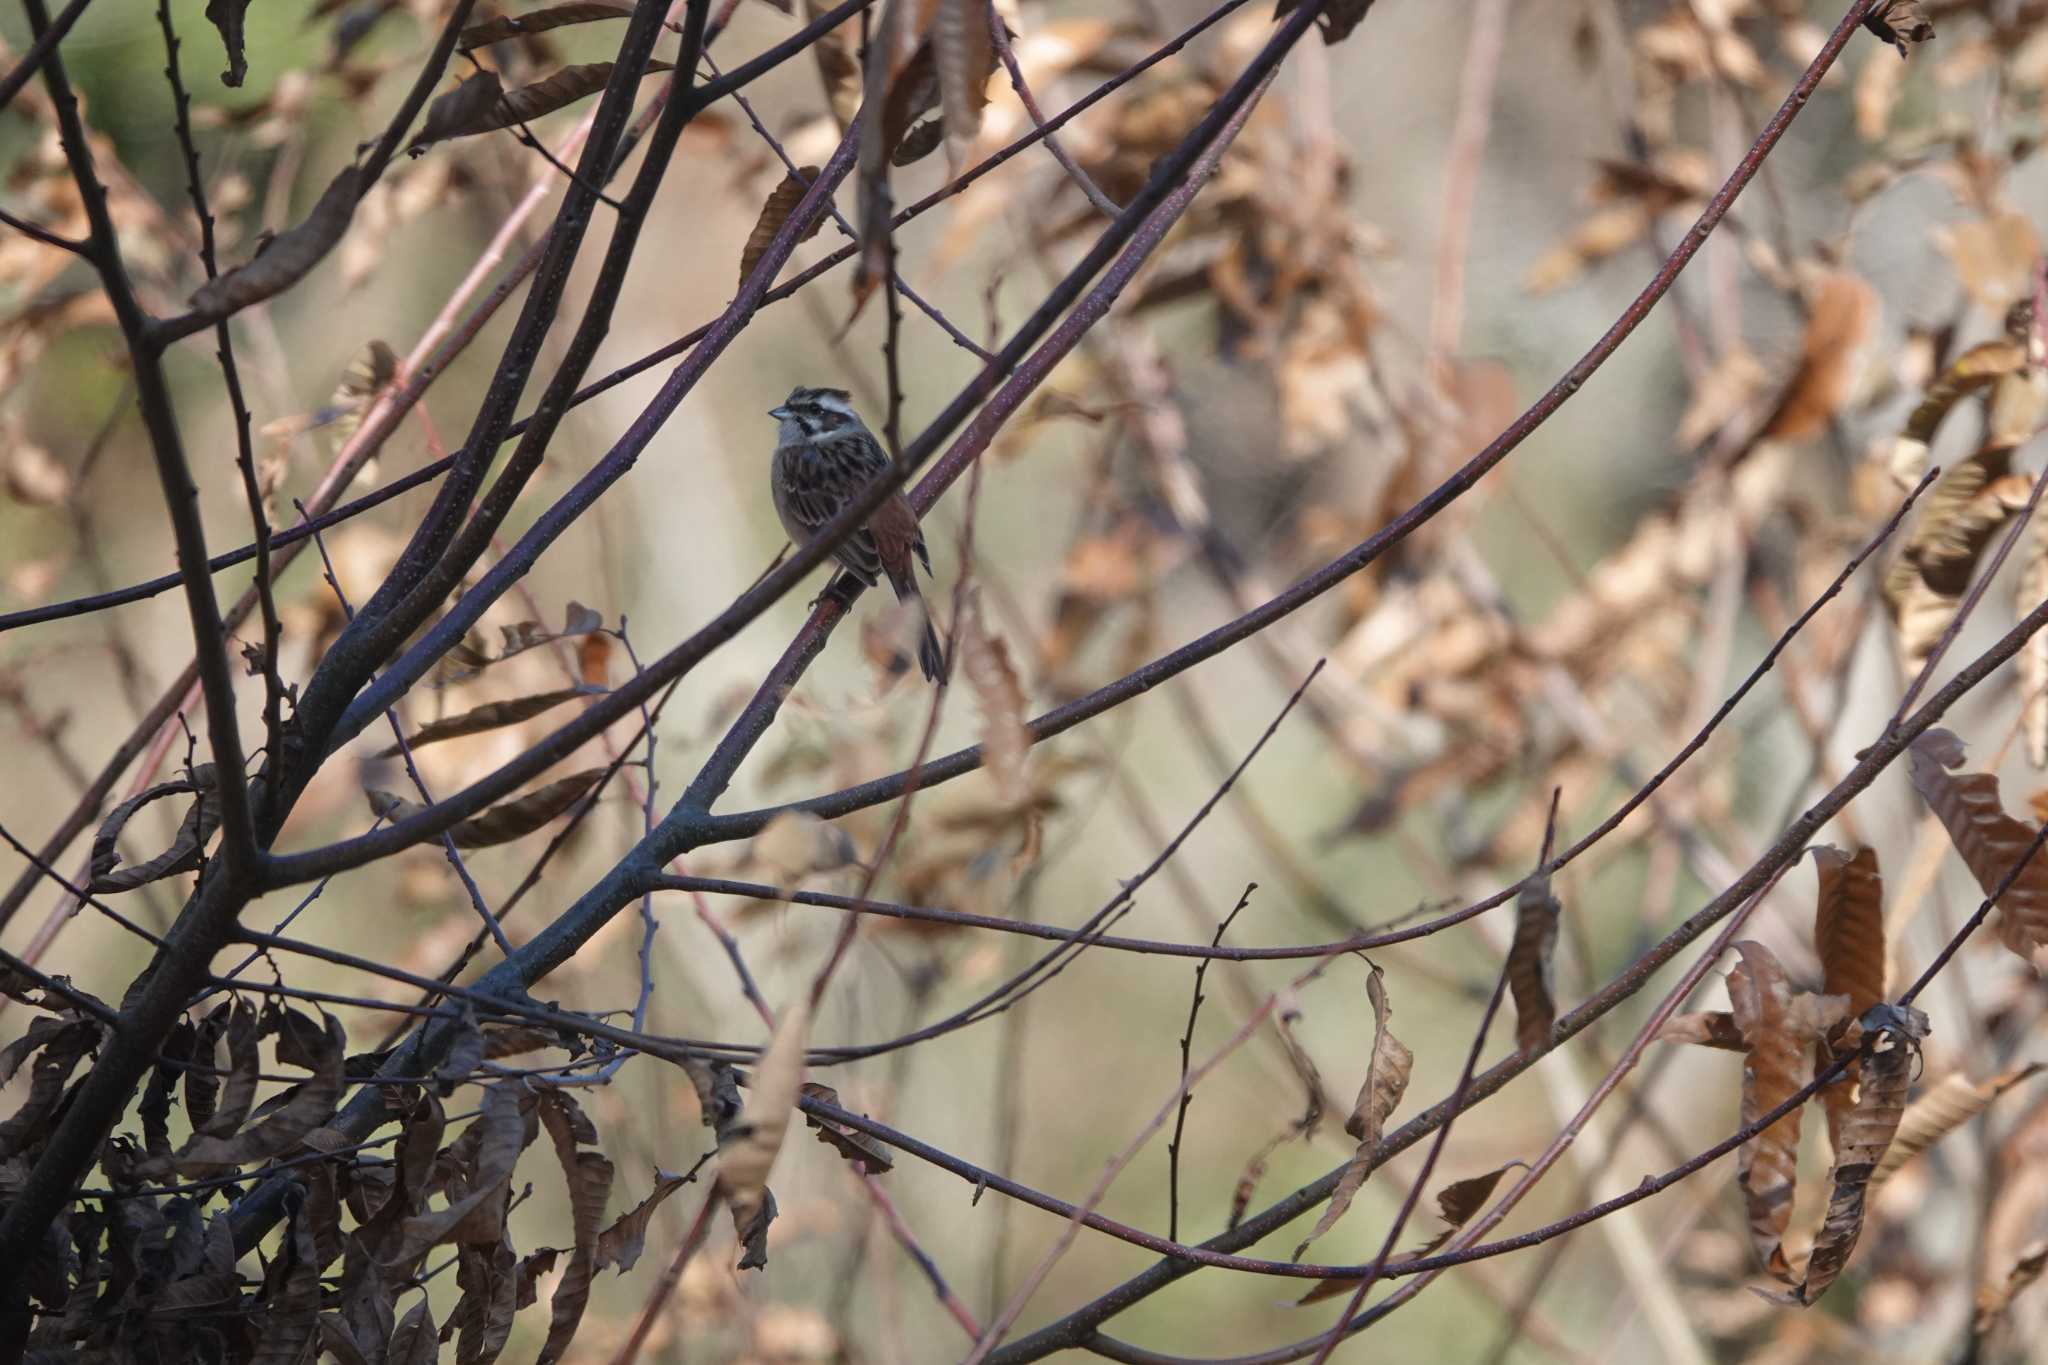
<point>1767,1169</point>
<point>1531,971</point>
<point>502,823</point>
<point>1990,841</point>
<point>226,16</point>
<point>782,202</point>
<point>747,1150</point>
<point>838,63</point>
<point>1958,517</point>
<point>1892,1042</point>
<point>589,1178</point>
<point>1899,22</point>
<point>1386,1080</point>
<point>540,21</point>
<point>1005,743</point>
<point>319,1047</point>
<point>1708,1028</point>
<point>493,715</point>
<point>620,1244</point>
<point>289,256</point>
<point>866,1153</point>
<point>1840,318</point>
<point>1995,1296</point>
<point>1848,935</point>
<point>964,54</point>
<point>2030,590</point>
<point>1944,1107</point>
<point>184,853</point>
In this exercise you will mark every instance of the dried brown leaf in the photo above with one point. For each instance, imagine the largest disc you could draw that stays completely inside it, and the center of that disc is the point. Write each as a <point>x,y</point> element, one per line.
<point>1982,366</point>
<point>2030,590</point>
<point>1899,22</point>
<point>226,16</point>
<point>1457,1202</point>
<point>481,104</point>
<point>1866,1133</point>
<point>782,202</point>
<point>589,1178</point>
<point>493,715</point>
<point>747,1151</point>
<point>1990,841</point>
<point>1925,585</point>
<point>540,21</point>
<point>1530,968</point>
<point>1995,1296</point>
<point>620,1244</point>
<point>184,853</point>
<point>1708,1028</point>
<point>414,1341</point>
<point>523,815</point>
<point>320,1048</point>
<point>1994,257</point>
<point>1005,742</point>
<point>1946,1106</point>
<point>964,56</point>
<point>866,1153</point>
<point>57,1046</point>
<point>838,63</point>
<point>1848,936</point>
<point>1386,1080</point>
<point>1780,1055</point>
<point>1839,321</point>
<point>289,256</point>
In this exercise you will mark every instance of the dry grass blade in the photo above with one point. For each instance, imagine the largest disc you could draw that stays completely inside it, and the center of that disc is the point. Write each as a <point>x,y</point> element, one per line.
<point>747,1150</point>
<point>1386,1080</point>
<point>1990,841</point>
<point>290,254</point>
<point>1531,969</point>
<point>494,715</point>
<point>539,21</point>
<point>1946,1106</point>
<point>782,202</point>
<point>182,856</point>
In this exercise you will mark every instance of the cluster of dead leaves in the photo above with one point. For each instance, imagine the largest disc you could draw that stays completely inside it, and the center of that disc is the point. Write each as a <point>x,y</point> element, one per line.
<point>146,1269</point>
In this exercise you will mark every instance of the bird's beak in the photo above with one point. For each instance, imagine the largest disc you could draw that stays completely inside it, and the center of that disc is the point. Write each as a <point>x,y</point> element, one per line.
<point>778,413</point>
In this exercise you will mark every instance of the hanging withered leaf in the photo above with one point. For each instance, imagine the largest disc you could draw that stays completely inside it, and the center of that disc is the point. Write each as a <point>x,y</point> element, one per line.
<point>1767,1166</point>
<point>782,202</point>
<point>1891,1042</point>
<point>2009,368</point>
<point>184,853</point>
<point>1707,1028</point>
<point>747,1150</point>
<point>319,1047</point>
<point>290,254</point>
<point>838,63</point>
<point>1899,22</point>
<point>1944,1107</point>
<point>620,1244</point>
<point>1924,586</point>
<point>919,143</point>
<point>867,1154</point>
<point>502,823</point>
<point>1841,315</point>
<point>2030,590</point>
<point>588,1175</point>
<point>1005,741</point>
<point>1336,21</point>
<point>1990,841</point>
<point>226,16</point>
<point>964,56</point>
<point>471,655</point>
<point>540,21</point>
<point>1848,935</point>
<point>1531,970</point>
<point>460,111</point>
<point>1386,1080</point>
<point>493,715</point>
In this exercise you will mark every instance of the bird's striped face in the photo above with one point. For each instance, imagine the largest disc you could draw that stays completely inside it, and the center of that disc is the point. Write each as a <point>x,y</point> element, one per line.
<point>809,415</point>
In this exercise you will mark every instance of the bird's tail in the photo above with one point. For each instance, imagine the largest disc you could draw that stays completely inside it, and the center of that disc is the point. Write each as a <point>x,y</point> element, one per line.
<point>931,656</point>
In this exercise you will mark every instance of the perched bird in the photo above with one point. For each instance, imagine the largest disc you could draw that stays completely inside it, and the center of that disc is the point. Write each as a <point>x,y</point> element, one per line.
<point>825,456</point>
